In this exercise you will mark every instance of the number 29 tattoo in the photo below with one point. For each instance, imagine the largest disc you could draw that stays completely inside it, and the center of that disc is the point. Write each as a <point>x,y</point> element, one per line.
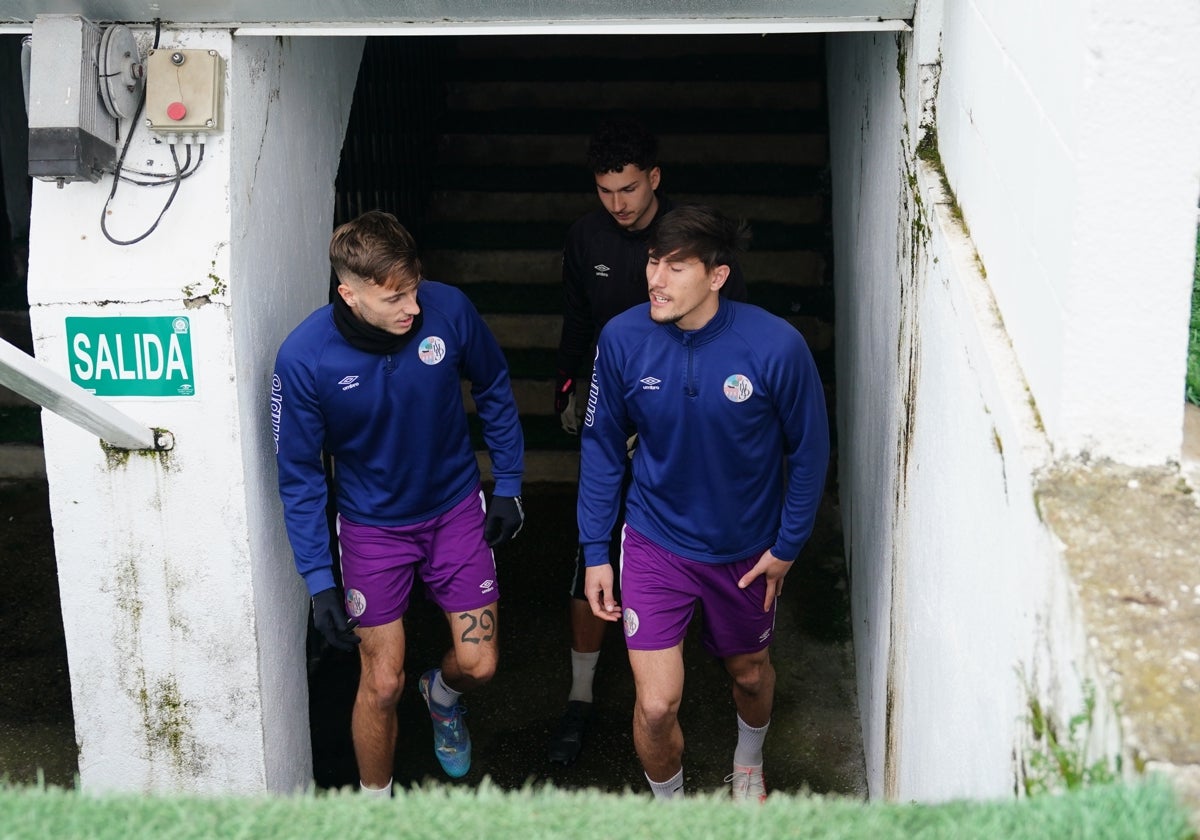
<point>481,629</point>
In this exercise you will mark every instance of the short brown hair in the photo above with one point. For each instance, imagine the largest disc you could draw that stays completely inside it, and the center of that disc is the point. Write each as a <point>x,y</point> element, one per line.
<point>694,230</point>
<point>375,248</point>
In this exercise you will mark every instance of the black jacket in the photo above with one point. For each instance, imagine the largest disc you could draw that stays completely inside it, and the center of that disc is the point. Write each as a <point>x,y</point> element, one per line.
<point>604,273</point>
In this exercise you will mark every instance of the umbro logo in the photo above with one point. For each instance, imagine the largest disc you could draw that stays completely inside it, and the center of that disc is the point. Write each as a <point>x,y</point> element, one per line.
<point>650,383</point>
<point>348,382</point>
<point>764,635</point>
<point>602,270</point>
<point>487,586</point>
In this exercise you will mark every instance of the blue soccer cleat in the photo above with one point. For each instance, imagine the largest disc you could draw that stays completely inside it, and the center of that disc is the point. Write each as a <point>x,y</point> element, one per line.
<point>451,740</point>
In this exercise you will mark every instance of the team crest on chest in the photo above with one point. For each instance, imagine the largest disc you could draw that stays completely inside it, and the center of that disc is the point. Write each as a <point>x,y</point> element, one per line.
<point>738,388</point>
<point>432,350</point>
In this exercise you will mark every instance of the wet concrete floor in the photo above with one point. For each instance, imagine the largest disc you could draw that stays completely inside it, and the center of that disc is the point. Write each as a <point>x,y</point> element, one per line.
<point>814,742</point>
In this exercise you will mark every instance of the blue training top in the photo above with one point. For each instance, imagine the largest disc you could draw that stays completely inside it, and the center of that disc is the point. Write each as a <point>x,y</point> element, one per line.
<point>733,439</point>
<point>395,425</point>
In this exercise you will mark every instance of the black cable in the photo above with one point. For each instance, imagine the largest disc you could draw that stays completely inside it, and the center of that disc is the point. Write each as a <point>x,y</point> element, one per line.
<point>175,189</point>
<point>167,177</point>
<point>175,179</point>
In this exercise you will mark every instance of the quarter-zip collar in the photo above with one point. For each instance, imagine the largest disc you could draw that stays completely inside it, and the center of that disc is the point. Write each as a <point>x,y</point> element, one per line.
<point>715,326</point>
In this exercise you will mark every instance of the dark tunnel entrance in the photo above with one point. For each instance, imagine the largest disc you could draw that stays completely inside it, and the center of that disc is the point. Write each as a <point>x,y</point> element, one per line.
<point>477,145</point>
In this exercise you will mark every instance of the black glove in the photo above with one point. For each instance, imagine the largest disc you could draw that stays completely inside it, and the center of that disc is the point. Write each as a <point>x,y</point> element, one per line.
<point>329,616</point>
<point>505,517</point>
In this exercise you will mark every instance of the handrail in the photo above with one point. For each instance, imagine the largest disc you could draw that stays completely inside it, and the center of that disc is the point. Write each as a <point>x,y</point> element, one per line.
<point>24,374</point>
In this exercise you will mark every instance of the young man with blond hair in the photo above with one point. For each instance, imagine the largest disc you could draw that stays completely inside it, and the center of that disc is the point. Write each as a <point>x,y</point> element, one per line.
<point>373,380</point>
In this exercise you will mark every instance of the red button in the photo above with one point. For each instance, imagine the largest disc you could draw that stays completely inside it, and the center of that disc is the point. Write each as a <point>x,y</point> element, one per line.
<point>176,111</point>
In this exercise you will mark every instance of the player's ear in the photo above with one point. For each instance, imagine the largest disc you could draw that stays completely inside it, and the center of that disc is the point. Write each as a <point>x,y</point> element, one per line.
<point>717,277</point>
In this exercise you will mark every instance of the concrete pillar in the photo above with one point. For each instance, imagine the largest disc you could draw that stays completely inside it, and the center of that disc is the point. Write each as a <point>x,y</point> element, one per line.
<point>184,618</point>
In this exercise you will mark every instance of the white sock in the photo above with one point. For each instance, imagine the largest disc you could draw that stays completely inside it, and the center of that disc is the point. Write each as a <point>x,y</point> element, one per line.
<point>669,789</point>
<point>375,793</point>
<point>442,694</point>
<point>583,670</point>
<point>749,750</point>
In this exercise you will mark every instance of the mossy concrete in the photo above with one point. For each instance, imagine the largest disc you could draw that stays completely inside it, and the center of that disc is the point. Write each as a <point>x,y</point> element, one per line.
<point>1130,539</point>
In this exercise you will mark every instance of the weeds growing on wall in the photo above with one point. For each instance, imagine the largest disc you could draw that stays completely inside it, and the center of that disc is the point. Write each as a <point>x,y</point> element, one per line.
<point>1057,763</point>
<point>1192,388</point>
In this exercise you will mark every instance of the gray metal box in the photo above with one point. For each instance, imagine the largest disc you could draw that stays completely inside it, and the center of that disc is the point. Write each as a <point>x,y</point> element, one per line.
<point>72,137</point>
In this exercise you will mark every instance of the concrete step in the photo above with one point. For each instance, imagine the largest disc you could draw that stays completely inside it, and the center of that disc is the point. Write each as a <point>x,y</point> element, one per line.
<point>535,397</point>
<point>534,298</point>
<point>14,328</point>
<point>22,460</point>
<point>525,331</point>
<point>540,465</point>
<point>663,116</point>
<point>520,234</point>
<point>540,149</point>
<point>466,205</point>
<point>607,48</point>
<point>543,331</point>
<point>608,97</point>
<point>25,461</point>
<point>801,267</point>
<point>774,179</point>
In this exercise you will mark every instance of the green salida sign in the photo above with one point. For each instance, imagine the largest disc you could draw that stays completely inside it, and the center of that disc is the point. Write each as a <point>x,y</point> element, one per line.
<point>132,357</point>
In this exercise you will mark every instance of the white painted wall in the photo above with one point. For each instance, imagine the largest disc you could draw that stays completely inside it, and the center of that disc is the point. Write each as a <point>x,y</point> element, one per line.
<point>184,625</point>
<point>867,161</point>
<point>1070,132</point>
<point>962,605</point>
<point>289,119</point>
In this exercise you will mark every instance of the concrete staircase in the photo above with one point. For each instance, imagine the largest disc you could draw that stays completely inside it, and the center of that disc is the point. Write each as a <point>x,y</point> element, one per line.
<point>742,126</point>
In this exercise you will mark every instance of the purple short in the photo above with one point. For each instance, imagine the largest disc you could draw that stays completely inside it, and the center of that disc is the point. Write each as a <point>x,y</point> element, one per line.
<point>659,591</point>
<point>448,552</point>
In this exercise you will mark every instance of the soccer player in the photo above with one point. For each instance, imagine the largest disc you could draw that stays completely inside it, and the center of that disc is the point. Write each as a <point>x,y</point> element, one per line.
<point>733,444</point>
<point>373,379</point>
<point>604,273</point>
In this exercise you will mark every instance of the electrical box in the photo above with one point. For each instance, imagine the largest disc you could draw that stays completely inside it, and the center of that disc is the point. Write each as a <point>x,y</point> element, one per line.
<point>72,136</point>
<point>183,91</point>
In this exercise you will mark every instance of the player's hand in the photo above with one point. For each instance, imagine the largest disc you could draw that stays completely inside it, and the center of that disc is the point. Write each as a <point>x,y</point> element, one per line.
<point>564,403</point>
<point>505,516</point>
<point>329,617</point>
<point>569,417</point>
<point>774,569</point>
<point>598,586</point>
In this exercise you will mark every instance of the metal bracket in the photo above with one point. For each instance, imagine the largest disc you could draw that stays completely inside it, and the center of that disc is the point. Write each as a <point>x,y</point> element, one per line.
<point>164,441</point>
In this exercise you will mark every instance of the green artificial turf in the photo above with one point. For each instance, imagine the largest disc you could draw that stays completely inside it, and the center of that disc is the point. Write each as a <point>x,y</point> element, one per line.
<point>1113,812</point>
